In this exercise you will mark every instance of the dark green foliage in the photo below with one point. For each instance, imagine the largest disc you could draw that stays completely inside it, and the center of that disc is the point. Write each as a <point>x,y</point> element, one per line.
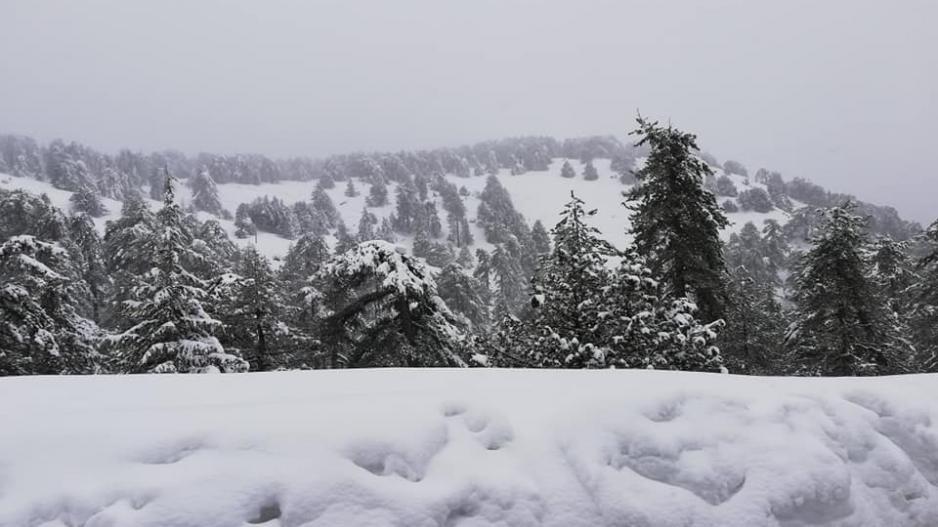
<point>842,326</point>
<point>675,221</point>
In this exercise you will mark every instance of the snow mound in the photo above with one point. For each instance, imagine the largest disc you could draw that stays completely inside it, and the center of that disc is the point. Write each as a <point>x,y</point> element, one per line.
<point>468,448</point>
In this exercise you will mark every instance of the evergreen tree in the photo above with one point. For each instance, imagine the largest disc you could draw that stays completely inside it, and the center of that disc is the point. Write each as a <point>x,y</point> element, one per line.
<point>675,221</point>
<point>377,194</point>
<point>171,330</point>
<point>205,193</point>
<point>243,222</point>
<point>508,294</point>
<point>322,204</point>
<point>460,290</point>
<point>775,246</point>
<point>90,267</point>
<point>127,255</point>
<point>752,341</point>
<point>589,172</point>
<point>40,327</point>
<point>541,239</point>
<point>367,225</point>
<point>250,309</point>
<point>350,190</point>
<point>343,239</point>
<point>924,297</point>
<point>566,170</point>
<point>841,326</point>
<point>408,211</point>
<point>384,310</point>
<point>567,287</point>
<point>87,201</point>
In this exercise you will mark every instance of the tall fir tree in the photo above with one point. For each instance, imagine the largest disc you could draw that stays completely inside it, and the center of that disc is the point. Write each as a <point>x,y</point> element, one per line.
<point>841,324</point>
<point>676,222</point>
<point>171,331</point>
<point>250,307</point>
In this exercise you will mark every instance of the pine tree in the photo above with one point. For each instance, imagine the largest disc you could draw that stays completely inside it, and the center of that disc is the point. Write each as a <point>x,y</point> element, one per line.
<point>205,193</point>
<point>460,290</point>
<point>508,291</point>
<point>90,266</point>
<point>408,211</point>
<point>841,327</point>
<point>250,307</point>
<point>377,194</point>
<point>350,190</point>
<point>322,204</point>
<point>366,226</point>
<point>171,330</point>
<point>567,287</point>
<point>384,310</point>
<point>675,221</point>
<point>40,327</point>
<point>541,239</point>
<point>924,297</point>
<point>127,255</point>
<point>566,170</point>
<point>343,239</point>
<point>752,341</point>
<point>589,172</point>
<point>775,246</point>
<point>243,222</point>
<point>87,201</point>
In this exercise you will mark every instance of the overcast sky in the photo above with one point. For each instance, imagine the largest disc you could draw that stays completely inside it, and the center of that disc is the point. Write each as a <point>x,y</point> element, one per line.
<point>841,92</point>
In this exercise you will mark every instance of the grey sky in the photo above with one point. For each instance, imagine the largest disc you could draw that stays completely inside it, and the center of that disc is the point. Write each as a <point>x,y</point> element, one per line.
<point>842,92</point>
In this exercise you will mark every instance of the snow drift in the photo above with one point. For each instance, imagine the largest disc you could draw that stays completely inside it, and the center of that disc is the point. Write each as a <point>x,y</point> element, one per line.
<point>468,448</point>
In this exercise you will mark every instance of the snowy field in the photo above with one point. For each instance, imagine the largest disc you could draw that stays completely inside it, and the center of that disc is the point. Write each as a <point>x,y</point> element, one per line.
<point>421,448</point>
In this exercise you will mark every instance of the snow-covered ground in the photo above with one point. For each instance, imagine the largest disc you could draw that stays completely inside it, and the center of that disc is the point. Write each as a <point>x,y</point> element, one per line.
<point>537,195</point>
<point>415,448</point>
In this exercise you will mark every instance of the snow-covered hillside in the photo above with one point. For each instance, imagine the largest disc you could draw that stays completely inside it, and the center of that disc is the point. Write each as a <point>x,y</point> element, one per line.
<point>414,448</point>
<point>537,195</point>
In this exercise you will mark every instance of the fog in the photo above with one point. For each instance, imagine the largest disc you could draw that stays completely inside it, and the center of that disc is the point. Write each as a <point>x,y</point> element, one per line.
<point>842,92</point>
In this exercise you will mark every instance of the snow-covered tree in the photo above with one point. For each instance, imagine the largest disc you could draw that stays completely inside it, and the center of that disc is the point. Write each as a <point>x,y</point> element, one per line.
<point>566,170</point>
<point>460,290</point>
<point>924,298</point>
<point>676,221</point>
<point>205,193</point>
<point>87,201</point>
<point>384,310</point>
<point>90,264</point>
<point>589,172</point>
<point>171,331</point>
<point>567,287</point>
<point>377,194</point>
<point>41,330</point>
<point>350,190</point>
<point>250,307</point>
<point>841,325</point>
<point>541,239</point>
<point>367,225</point>
<point>243,222</point>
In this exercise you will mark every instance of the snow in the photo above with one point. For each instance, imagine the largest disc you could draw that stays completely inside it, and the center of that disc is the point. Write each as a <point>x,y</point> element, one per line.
<point>536,195</point>
<point>468,448</point>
